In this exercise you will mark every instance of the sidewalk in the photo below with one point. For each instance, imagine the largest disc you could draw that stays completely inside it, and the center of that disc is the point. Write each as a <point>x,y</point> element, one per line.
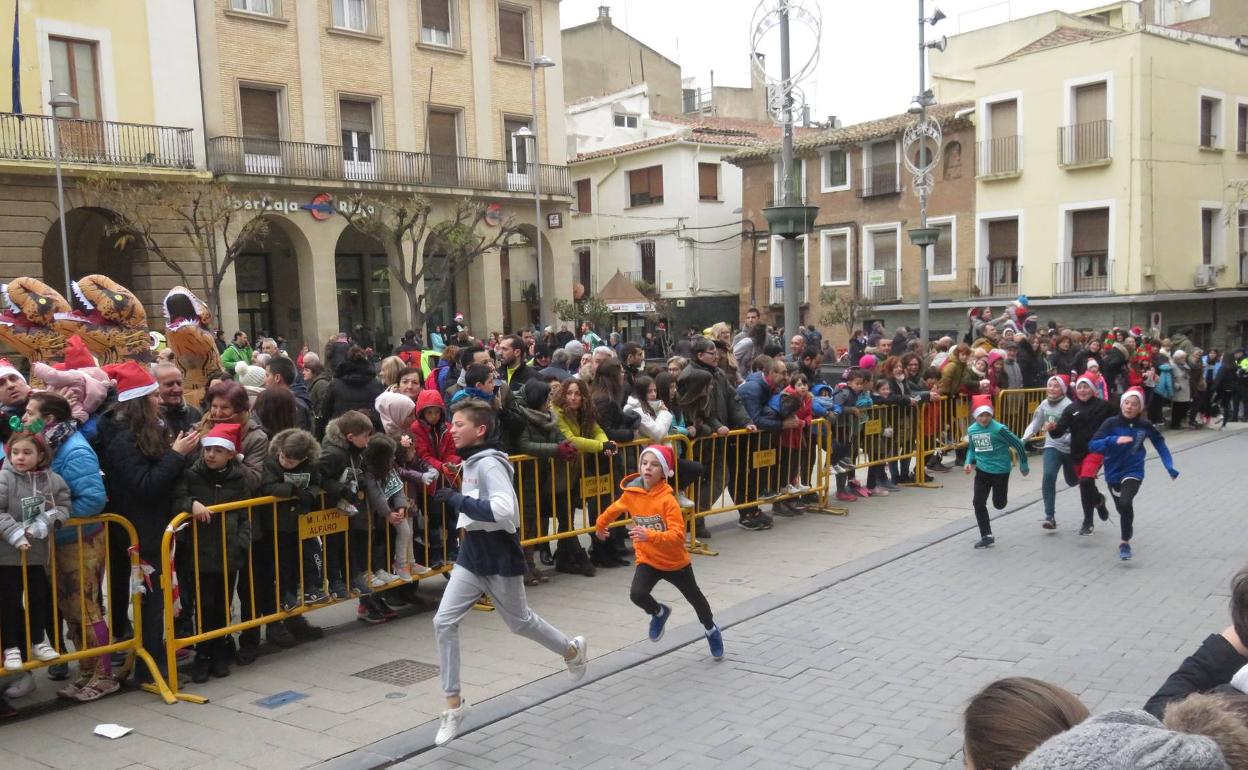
<point>341,712</point>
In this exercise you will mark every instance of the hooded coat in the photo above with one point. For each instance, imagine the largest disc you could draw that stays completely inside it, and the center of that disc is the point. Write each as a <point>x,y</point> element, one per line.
<point>433,443</point>
<point>1125,738</point>
<point>725,407</point>
<point>24,494</point>
<point>355,387</point>
<point>199,483</point>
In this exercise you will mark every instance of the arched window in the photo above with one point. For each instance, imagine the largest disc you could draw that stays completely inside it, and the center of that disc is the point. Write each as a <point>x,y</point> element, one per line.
<point>953,160</point>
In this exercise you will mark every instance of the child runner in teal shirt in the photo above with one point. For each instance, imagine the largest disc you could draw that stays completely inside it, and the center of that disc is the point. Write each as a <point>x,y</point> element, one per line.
<point>988,453</point>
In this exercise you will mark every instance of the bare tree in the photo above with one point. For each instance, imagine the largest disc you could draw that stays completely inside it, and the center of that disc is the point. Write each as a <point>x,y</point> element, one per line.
<point>217,224</point>
<point>844,308</point>
<point>457,241</point>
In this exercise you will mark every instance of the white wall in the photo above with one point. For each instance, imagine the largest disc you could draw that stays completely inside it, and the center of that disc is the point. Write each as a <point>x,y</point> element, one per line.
<point>175,68</point>
<point>591,122</point>
<point>614,229</point>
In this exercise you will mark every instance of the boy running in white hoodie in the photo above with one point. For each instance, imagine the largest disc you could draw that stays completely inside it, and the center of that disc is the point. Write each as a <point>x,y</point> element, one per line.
<point>490,559</point>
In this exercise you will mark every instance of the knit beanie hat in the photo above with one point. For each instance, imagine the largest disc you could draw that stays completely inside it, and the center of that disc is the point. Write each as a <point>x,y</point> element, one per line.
<point>250,377</point>
<point>665,456</point>
<point>981,404</point>
<point>1125,738</point>
<point>868,362</point>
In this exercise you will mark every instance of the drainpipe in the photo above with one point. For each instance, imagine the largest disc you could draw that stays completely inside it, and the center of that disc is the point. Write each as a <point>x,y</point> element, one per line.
<point>595,259</point>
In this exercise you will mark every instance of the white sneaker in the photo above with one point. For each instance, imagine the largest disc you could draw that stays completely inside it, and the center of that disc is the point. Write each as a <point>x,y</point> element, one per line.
<point>452,722</point>
<point>22,685</point>
<point>683,500</point>
<point>576,664</point>
<point>382,578</point>
<point>799,489</point>
<point>44,651</point>
<point>13,659</point>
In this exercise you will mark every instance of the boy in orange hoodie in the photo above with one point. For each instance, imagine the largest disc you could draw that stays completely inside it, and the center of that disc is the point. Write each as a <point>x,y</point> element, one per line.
<point>658,536</point>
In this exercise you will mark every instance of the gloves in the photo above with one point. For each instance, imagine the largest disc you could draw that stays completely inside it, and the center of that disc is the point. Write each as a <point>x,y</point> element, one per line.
<point>349,481</point>
<point>307,499</point>
<point>428,477</point>
<point>609,446</point>
<point>17,539</point>
<point>347,508</point>
<point>37,529</point>
<point>566,451</point>
<point>888,432</point>
<point>448,496</point>
<point>1173,473</point>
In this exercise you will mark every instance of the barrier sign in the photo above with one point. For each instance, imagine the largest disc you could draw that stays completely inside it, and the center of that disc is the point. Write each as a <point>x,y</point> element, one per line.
<point>872,428</point>
<point>764,458</point>
<point>594,486</point>
<point>319,523</point>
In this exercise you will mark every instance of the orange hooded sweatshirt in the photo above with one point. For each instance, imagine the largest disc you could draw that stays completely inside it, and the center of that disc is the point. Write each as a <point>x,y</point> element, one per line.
<point>656,510</point>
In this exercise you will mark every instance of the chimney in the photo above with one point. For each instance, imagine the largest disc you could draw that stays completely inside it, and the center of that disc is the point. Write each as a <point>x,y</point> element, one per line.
<point>604,13</point>
<point>833,122</point>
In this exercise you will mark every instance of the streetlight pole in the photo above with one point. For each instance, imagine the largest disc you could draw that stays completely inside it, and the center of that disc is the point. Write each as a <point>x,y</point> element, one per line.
<point>536,173</point>
<point>924,324</point>
<point>926,137</point>
<point>61,99</point>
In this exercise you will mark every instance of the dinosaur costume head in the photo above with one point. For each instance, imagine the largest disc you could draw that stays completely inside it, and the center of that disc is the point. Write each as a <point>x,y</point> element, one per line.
<point>29,311</point>
<point>188,332</point>
<point>109,318</point>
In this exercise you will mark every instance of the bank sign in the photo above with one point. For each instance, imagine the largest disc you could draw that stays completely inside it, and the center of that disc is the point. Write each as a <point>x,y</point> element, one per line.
<point>321,207</point>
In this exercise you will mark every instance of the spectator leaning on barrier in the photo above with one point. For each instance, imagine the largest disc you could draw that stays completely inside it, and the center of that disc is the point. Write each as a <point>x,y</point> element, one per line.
<point>573,408</point>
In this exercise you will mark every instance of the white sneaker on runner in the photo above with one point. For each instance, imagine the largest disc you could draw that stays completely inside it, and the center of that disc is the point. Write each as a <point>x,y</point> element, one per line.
<point>452,722</point>
<point>577,663</point>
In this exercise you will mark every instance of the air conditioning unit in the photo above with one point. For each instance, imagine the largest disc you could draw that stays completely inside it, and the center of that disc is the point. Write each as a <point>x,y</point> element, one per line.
<point>1206,276</point>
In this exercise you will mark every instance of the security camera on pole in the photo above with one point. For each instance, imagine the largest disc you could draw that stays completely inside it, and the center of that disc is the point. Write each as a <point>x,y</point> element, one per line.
<point>925,136</point>
<point>788,216</point>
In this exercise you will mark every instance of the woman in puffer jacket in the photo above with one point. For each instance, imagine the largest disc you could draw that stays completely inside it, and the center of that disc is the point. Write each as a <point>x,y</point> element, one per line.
<point>355,387</point>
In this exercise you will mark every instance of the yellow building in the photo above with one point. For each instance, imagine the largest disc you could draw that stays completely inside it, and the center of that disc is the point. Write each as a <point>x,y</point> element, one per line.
<point>331,97</point>
<point>1110,177</point>
<point>135,79</point>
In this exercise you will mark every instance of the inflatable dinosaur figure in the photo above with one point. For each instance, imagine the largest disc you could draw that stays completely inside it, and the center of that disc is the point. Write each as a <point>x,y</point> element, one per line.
<point>28,316</point>
<point>110,319</point>
<point>188,332</point>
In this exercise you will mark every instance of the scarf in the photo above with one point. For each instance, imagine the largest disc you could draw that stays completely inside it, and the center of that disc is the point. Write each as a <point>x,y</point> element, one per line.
<point>58,434</point>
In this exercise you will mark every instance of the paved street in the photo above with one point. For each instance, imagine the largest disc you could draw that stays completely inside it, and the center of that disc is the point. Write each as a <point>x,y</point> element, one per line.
<point>872,672</point>
<point>853,641</point>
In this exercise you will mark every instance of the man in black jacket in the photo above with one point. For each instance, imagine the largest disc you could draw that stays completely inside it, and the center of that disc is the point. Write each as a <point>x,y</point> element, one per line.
<point>727,460</point>
<point>512,368</point>
<point>1218,659</point>
<point>179,416</point>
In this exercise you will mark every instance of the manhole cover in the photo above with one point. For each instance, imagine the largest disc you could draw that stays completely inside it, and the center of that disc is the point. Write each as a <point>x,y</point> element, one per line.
<point>401,673</point>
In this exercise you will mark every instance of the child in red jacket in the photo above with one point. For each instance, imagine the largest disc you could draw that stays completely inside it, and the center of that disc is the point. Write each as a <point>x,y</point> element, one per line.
<point>658,537</point>
<point>432,443</point>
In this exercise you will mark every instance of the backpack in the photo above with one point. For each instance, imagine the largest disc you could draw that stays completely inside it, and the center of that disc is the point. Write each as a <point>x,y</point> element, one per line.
<point>1165,383</point>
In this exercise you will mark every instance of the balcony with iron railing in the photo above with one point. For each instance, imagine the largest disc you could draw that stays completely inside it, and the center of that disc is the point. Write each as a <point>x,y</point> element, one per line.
<point>95,142</point>
<point>1084,275</point>
<point>880,180</point>
<point>999,157</point>
<point>1001,278</point>
<point>777,290</point>
<point>1085,144</point>
<point>881,284</point>
<point>234,155</point>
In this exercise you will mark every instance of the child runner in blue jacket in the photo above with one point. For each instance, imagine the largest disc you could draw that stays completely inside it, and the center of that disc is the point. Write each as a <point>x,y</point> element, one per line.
<point>988,454</point>
<point>1121,440</point>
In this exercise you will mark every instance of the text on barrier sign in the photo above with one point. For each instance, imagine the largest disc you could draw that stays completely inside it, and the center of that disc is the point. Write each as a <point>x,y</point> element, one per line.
<point>764,458</point>
<point>595,486</point>
<point>872,428</point>
<point>320,523</point>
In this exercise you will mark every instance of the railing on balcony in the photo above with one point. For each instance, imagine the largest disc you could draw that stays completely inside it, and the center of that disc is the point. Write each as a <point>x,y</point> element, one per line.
<point>881,284</point>
<point>1085,142</point>
<point>634,276</point>
<point>303,160</point>
<point>1084,275</point>
<point>884,179</point>
<point>95,142</point>
<point>1001,278</point>
<point>1002,155</point>
<point>777,290</point>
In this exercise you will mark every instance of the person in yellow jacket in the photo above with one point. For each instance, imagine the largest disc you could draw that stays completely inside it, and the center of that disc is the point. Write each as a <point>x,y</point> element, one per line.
<point>658,536</point>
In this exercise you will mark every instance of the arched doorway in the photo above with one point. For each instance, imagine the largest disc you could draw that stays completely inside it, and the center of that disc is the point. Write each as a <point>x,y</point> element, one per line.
<point>521,276</point>
<point>440,289</point>
<point>362,274</point>
<point>267,280</point>
<point>93,248</point>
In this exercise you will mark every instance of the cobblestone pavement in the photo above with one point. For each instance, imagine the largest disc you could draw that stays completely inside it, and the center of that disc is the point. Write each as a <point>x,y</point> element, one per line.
<point>873,671</point>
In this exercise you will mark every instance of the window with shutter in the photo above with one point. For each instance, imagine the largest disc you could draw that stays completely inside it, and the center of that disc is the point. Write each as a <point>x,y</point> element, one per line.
<point>435,22</point>
<point>835,169</point>
<point>836,257</point>
<point>1208,221</point>
<point>583,271</point>
<point>264,7</point>
<point>708,181</point>
<point>74,72</point>
<point>260,120</point>
<point>351,14</point>
<point>583,203</point>
<point>647,262</point>
<point>1089,248</point>
<point>511,33</point>
<point>645,185</point>
<point>884,243</point>
<point>1241,143</point>
<point>356,127</point>
<point>942,252</point>
<point>443,132</point>
<point>1003,239</point>
<point>517,146</point>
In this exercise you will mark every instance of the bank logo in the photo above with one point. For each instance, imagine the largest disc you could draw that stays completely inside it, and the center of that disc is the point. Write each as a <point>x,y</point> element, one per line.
<point>321,207</point>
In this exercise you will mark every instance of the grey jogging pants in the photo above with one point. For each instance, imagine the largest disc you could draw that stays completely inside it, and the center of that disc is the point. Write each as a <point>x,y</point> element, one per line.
<point>509,601</point>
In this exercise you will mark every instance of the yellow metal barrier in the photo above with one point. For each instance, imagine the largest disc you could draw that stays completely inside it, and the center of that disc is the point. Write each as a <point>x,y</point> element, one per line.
<point>87,604</point>
<point>1014,408</point>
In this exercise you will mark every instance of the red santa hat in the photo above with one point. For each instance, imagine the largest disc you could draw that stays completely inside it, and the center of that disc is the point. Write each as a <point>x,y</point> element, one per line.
<point>981,404</point>
<point>665,456</point>
<point>227,435</point>
<point>132,380</point>
<point>1062,378</point>
<point>459,317</point>
<point>77,356</point>
<point>1136,393</point>
<point>7,368</point>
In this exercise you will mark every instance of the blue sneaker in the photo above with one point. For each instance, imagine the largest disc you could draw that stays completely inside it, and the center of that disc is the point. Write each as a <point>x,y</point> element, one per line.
<point>1124,552</point>
<point>716,641</point>
<point>659,622</point>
